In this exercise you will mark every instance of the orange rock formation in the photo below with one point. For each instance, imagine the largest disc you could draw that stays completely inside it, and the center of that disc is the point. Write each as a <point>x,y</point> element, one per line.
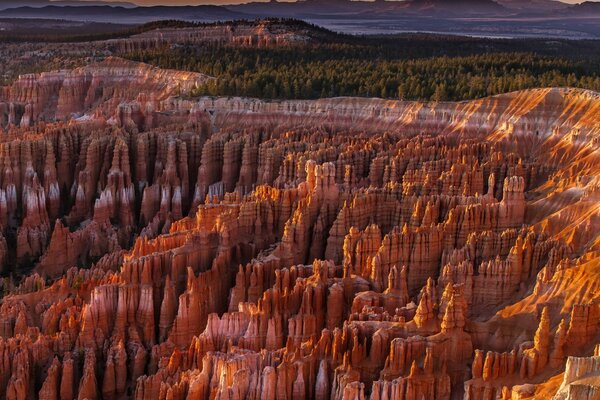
<point>335,249</point>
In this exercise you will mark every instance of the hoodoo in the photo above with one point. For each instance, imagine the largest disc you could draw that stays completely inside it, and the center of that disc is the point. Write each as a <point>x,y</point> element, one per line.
<point>158,245</point>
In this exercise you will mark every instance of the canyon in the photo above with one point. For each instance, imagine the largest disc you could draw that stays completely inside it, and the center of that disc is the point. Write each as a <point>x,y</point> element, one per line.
<point>157,245</point>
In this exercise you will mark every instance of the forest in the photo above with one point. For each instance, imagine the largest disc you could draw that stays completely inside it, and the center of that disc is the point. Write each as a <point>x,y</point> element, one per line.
<point>412,67</point>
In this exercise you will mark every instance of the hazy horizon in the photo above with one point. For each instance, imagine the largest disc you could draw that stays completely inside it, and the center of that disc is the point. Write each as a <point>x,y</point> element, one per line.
<point>224,2</point>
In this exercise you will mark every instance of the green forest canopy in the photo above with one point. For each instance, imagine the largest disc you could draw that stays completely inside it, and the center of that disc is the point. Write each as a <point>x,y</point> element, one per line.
<point>415,67</point>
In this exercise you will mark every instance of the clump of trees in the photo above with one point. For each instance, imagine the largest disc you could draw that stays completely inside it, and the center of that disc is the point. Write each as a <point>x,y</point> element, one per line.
<point>419,67</point>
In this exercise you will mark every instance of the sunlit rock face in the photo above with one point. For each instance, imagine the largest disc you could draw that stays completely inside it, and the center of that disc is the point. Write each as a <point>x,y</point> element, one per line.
<point>102,90</point>
<point>161,247</point>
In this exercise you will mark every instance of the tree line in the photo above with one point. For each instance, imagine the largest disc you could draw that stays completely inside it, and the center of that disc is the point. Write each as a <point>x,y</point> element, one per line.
<point>420,68</point>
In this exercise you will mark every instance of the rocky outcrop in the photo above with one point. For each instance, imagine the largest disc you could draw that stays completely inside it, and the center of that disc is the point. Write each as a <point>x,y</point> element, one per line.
<point>580,378</point>
<point>99,89</point>
<point>264,33</point>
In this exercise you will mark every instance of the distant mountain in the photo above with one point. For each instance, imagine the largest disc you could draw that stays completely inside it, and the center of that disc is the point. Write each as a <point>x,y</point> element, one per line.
<point>126,12</point>
<point>586,9</point>
<point>346,8</point>
<point>306,8</point>
<point>534,6</point>
<point>493,18</point>
<point>109,13</point>
<point>456,6</point>
<point>4,4</point>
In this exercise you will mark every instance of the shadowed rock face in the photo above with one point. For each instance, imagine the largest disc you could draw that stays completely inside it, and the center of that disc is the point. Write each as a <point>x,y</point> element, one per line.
<point>332,249</point>
<point>263,33</point>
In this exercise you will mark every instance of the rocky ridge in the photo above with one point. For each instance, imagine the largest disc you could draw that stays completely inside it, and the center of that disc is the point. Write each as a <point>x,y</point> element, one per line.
<point>259,33</point>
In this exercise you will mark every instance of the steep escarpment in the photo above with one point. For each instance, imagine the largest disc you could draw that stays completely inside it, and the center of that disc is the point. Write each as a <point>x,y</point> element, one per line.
<point>259,33</point>
<point>336,249</point>
<point>97,89</point>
